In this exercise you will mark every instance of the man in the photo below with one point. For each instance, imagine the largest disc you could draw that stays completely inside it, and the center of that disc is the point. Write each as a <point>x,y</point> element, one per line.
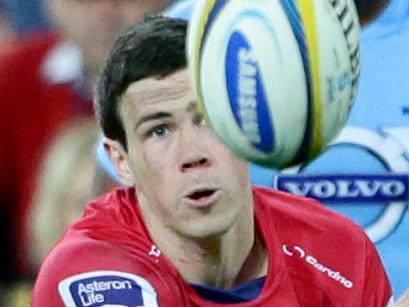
<point>44,83</point>
<point>190,230</point>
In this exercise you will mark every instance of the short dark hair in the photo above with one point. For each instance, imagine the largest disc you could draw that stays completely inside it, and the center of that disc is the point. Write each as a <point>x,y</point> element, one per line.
<point>154,47</point>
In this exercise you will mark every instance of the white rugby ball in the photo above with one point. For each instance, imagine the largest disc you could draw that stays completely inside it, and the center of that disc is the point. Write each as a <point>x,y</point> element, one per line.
<point>276,78</point>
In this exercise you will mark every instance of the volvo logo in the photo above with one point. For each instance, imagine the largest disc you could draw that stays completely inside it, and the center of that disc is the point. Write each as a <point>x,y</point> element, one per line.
<point>351,188</point>
<point>391,147</point>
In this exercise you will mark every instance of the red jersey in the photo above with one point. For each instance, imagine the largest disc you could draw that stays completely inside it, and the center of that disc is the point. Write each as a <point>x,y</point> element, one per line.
<point>316,258</point>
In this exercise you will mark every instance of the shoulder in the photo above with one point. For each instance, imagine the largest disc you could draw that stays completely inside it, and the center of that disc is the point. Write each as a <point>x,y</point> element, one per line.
<point>324,251</point>
<point>112,219</point>
<point>304,213</point>
<point>104,258</point>
<point>99,272</point>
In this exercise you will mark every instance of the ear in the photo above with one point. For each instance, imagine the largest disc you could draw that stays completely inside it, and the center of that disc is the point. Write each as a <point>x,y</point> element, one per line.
<point>119,156</point>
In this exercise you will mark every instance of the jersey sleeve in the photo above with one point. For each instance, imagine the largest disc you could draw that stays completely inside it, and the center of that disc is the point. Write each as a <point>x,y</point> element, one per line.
<point>377,288</point>
<point>103,275</point>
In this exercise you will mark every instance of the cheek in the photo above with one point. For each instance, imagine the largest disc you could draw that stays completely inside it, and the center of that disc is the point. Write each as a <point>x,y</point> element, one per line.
<point>222,150</point>
<point>237,167</point>
<point>149,167</point>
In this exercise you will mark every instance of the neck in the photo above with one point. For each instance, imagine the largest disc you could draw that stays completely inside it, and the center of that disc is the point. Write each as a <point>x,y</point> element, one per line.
<point>223,260</point>
<point>215,261</point>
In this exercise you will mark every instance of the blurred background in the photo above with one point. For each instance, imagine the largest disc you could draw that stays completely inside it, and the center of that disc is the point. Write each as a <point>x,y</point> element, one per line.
<point>26,16</point>
<point>50,54</point>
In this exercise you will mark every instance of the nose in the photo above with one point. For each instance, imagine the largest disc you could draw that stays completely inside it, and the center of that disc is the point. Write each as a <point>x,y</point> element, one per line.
<point>195,164</point>
<point>193,151</point>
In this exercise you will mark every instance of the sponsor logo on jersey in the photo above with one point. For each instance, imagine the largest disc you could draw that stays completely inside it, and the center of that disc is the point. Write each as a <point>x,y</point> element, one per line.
<point>155,252</point>
<point>298,252</point>
<point>107,288</point>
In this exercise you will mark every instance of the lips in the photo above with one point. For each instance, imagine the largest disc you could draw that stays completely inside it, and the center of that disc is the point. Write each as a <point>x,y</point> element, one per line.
<point>202,197</point>
<point>201,194</point>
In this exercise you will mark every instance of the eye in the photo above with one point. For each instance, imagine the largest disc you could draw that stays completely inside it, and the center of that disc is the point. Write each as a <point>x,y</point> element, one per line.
<point>158,131</point>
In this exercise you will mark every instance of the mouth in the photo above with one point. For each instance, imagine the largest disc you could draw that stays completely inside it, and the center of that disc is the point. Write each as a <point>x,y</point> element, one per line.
<point>202,198</point>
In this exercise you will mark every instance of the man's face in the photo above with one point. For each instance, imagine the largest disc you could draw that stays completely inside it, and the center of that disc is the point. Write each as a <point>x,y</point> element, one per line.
<point>184,176</point>
<point>93,24</point>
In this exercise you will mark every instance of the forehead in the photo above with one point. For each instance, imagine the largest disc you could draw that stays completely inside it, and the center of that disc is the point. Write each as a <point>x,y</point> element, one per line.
<point>150,93</point>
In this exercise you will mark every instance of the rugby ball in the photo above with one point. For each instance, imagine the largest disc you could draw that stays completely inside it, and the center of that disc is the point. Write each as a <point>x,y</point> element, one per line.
<point>275,78</point>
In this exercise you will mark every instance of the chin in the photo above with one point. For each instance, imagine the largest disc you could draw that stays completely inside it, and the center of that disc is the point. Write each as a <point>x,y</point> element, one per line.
<point>208,227</point>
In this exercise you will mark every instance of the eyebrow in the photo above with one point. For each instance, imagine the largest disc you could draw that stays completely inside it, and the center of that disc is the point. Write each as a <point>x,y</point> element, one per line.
<point>151,117</point>
<point>158,115</point>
